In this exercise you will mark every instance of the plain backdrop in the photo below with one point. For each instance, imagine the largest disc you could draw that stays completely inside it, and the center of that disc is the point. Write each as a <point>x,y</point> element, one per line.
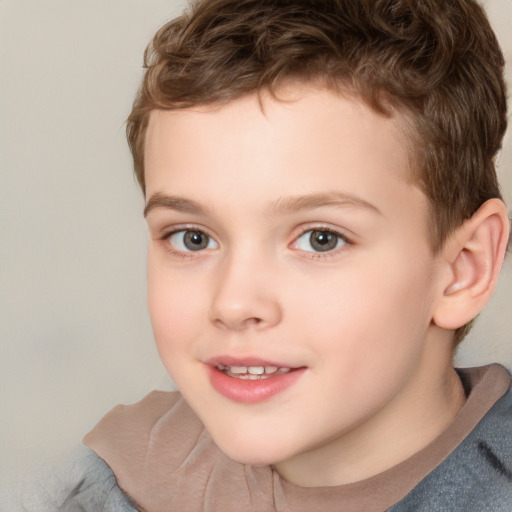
<point>75,338</point>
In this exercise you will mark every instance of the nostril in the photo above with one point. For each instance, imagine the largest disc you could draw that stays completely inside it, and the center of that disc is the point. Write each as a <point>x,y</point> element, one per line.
<point>253,321</point>
<point>238,324</point>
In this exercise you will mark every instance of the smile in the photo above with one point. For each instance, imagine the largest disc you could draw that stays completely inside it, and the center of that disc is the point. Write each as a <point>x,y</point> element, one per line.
<point>250,382</point>
<point>252,372</point>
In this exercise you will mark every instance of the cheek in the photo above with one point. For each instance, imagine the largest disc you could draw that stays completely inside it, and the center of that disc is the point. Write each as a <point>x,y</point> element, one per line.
<point>365,314</point>
<point>175,308</point>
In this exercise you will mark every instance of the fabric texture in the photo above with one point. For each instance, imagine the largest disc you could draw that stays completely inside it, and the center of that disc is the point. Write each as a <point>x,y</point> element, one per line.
<point>81,482</point>
<point>164,460</point>
<point>477,476</point>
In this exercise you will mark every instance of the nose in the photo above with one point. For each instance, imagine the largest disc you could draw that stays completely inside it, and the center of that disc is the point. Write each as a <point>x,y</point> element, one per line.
<point>245,295</point>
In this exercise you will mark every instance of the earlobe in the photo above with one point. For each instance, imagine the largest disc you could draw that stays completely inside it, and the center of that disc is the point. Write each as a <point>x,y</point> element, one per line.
<point>474,256</point>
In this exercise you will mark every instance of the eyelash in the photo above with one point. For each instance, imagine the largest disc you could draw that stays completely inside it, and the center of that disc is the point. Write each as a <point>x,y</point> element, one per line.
<point>164,240</point>
<point>327,254</point>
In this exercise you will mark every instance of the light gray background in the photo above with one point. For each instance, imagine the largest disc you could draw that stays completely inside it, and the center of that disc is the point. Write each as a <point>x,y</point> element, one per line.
<point>75,337</point>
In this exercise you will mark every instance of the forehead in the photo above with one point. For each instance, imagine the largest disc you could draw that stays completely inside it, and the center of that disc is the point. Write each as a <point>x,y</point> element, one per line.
<point>299,99</point>
<point>308,140</point>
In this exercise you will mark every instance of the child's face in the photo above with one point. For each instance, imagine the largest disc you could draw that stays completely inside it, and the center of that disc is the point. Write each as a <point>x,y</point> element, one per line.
<point>289,238</point>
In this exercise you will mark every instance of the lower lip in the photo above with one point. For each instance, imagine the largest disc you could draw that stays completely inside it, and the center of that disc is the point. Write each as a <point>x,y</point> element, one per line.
<point>252,391</point>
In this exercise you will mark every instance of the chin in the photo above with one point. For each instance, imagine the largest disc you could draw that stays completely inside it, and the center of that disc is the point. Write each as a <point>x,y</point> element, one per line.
<point>252,459</point>
<point>246,451</point>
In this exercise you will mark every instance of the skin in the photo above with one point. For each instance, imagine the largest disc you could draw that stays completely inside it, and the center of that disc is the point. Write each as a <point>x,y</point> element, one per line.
<point>378,383</point>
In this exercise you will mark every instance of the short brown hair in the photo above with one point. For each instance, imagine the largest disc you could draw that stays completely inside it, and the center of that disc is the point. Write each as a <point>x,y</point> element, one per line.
<point>438,61</point>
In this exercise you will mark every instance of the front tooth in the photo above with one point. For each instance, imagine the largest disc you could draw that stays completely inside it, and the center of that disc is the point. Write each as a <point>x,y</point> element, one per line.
<point>238,369</point>
<point>256,370</point>
<point>271,369</point>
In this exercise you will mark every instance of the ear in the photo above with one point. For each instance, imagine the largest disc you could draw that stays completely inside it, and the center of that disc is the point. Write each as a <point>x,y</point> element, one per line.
<point>473,257</point>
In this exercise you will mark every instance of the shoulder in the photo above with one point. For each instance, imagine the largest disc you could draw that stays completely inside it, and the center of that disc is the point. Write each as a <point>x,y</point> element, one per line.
<point>477,475</point>
<point>95,489</point>
<point>84,483</point>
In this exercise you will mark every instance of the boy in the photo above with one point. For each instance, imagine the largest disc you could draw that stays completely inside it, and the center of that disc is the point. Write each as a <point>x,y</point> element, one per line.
<point>325,223</point>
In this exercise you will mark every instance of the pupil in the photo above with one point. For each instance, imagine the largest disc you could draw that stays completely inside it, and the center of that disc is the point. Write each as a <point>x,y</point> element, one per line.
<point>323,241</point>
<point>195,240</point>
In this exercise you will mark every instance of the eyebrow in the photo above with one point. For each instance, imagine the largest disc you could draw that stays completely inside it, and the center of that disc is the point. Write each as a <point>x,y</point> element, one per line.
<point>281,206</point>
<point>312,201</point>
<point>180,204</point>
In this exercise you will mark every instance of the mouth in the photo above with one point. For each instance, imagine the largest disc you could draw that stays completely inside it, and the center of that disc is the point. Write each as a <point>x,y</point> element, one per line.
<point>253,372</point>
<point>251,381</point>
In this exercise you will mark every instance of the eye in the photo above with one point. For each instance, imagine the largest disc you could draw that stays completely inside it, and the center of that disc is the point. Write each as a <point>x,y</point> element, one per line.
<point>188,240</point>
<point>320,240</point>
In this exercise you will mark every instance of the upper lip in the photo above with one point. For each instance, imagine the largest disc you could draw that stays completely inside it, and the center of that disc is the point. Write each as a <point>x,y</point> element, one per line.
<point>245,361</point>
